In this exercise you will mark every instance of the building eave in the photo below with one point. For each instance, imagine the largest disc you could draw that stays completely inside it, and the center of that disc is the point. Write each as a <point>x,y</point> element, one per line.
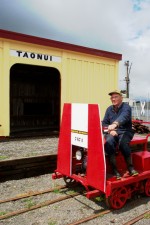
<point>57,44</point>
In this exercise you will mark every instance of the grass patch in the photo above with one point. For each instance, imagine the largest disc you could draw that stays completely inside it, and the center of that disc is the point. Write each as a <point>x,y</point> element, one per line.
<point>29,203</point>
<point>2,157</point>
<point>57,191</point>
<point>51,223</point>
<point>147,216</point>
<point>100,198</point>
<point>2,213</point>
<point>71,192</point>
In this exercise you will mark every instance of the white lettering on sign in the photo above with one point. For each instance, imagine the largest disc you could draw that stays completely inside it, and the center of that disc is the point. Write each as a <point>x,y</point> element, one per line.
<point>79,125</point>
<point>79,140</point>
<point>32,55</point>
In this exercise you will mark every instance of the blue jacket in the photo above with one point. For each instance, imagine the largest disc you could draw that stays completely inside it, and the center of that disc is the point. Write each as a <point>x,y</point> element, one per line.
<point>123,117</point>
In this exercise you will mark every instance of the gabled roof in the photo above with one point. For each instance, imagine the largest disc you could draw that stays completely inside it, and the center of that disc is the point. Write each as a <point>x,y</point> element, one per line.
<point>57,44</point>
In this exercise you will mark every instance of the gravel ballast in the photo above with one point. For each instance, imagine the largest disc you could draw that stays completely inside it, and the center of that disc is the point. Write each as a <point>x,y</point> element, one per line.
<point>64,212</point>
<point>61,213</point>
<point>22,148</point>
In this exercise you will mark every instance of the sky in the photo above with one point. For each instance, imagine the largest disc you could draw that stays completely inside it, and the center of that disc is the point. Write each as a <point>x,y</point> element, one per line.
<point>119,26</point>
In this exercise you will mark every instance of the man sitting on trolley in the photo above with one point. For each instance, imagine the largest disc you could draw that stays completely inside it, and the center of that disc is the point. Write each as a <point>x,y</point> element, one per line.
<point>118,120</point>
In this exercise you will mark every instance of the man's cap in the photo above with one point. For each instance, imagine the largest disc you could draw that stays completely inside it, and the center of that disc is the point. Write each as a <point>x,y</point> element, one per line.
<point>115,92</point>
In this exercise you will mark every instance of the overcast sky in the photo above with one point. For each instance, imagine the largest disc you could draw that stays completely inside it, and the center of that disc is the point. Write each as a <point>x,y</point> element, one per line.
<point>120,26</point>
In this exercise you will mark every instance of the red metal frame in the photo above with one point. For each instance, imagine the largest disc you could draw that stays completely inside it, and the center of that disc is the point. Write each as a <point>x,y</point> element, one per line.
<point>141,121</point>
<point>96,170</point>
<point>140,140</point>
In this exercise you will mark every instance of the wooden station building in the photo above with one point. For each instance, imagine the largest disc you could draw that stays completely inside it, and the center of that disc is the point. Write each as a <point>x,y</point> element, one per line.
<point>38,75</point>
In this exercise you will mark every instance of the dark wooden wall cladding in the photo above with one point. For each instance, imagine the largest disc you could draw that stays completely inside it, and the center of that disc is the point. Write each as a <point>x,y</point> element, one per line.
<point>34,97</point>
<point>27,167</point>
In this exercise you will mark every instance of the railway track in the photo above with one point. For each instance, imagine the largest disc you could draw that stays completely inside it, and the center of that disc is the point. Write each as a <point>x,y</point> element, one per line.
<point>130,222</point>
<point>138,218</point>
<point>99,214</point>
<point>37,206</point>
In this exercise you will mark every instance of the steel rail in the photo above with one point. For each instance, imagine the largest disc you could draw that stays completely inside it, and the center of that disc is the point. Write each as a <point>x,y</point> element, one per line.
<point>136,219</point>
<point>93,216</point>
<point>31,193</point>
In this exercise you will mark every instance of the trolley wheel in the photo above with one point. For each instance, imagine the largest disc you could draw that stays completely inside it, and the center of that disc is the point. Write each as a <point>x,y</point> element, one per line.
<point>69,181</point>
<point>118,198</point>
<point>147,187</point>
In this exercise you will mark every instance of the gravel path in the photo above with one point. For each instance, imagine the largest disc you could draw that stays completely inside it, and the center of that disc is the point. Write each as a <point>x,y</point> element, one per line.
<point>14,149</point>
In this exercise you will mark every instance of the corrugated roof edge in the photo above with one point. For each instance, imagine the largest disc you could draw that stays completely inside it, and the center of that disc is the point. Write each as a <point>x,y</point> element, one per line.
<point>57,44</point>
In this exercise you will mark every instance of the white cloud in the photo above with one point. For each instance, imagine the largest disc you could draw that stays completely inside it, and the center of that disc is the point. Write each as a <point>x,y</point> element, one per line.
<point>121,26</point>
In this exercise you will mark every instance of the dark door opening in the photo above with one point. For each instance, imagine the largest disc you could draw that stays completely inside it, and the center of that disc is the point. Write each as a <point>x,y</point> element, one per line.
<point>34,99</point>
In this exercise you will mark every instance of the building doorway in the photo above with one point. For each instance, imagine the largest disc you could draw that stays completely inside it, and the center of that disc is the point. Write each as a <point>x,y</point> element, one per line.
<point>34,99</point>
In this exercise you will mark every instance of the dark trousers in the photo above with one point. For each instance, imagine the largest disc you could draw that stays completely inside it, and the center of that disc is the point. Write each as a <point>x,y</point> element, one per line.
<point>122,140</point>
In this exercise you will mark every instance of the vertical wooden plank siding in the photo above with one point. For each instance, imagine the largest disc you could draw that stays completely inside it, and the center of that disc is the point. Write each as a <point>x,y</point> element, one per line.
<point>89,81</point>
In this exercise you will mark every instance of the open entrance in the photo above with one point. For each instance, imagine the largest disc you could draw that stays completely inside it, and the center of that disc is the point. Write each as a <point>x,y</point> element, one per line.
<point>34,99</point>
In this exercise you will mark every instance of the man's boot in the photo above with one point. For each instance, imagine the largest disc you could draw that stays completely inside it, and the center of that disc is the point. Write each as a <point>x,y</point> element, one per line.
<point>112,160</point>
<point>130,167</point>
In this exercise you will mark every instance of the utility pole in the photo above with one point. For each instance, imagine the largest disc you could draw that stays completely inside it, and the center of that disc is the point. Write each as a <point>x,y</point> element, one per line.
<point>127,79</point>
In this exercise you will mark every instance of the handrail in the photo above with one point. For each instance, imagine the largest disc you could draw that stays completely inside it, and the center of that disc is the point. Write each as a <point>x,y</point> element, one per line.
<point>140,121</point>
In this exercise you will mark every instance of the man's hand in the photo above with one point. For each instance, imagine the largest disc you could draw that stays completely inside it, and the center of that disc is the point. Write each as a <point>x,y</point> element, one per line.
<point>112,127</point>
<point>113,133</point>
